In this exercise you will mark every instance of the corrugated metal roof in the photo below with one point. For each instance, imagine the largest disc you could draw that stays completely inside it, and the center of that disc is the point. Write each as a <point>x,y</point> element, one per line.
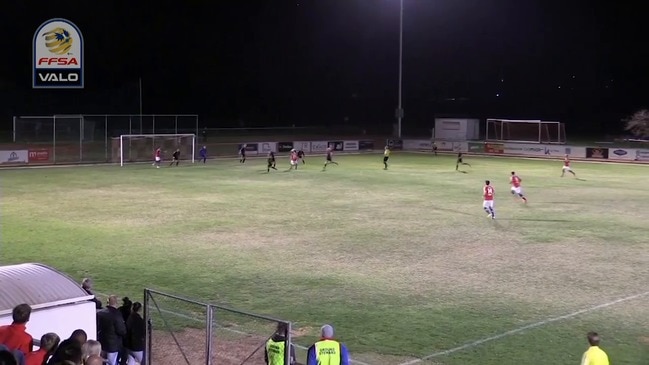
<point>38,285</point>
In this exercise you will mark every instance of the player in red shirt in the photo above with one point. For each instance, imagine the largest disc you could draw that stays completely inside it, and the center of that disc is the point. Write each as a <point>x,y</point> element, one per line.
<point>294,159</point>
<point>566,167</point>
<point>157,157</point>
<point>488,202</point>
<point>516,186</point>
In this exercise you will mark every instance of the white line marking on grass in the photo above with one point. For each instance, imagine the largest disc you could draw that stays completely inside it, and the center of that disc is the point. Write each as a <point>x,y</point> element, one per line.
<point>524,328</point>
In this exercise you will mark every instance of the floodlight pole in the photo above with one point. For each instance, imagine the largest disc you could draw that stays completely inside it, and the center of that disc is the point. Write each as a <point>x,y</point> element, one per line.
<point>400,106</point>
<point>140,92</point>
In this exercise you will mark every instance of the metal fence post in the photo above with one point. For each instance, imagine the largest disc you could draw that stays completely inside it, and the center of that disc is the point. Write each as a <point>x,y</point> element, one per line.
<point>153,125</point>
<point>54,139</point>
<point>147,337</point>
<point>289,344</point>
<point>81,132</point>
<point>14,130</point>
<point>176,125</point>
<point>106,137</point>
<point>208,337</point>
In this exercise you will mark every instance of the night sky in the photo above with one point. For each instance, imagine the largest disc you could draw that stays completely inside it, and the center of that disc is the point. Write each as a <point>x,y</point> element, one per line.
<point>316,62</point>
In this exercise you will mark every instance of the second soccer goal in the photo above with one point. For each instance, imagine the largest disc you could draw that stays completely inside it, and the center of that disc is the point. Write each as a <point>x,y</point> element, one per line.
<point>129,148</point>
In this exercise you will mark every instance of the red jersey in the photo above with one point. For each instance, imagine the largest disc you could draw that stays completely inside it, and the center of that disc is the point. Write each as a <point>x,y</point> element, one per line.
<point>488,192</point>
<point>293,156</point>
<point>516,181</point>
<point>15,337</point>
<point>566,162</point>
<point>158,153</point>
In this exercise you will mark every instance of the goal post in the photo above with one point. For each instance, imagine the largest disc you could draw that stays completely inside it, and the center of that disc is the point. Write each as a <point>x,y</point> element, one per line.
<point>525,131</point>
<point>141,147</point>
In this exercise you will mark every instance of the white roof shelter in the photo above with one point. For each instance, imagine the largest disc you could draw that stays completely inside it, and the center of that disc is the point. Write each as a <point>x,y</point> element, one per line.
<point>59,304</point>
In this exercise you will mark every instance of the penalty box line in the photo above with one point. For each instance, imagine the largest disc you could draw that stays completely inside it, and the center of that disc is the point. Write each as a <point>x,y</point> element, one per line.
<point>524,328</point>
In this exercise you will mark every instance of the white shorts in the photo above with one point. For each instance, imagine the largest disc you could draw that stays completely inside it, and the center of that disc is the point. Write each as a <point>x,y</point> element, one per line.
<point>293,162</point>
<point>488,204</point>
<point>567,168</point>
<point>517,190</point>
<point>157,159</point>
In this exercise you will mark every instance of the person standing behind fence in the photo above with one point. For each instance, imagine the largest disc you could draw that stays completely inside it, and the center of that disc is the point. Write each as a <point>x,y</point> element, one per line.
<point>327,351</point>
<point>110,330</point>
<point>135,335</point>
<point>594,355</point>
<point>275,351</point>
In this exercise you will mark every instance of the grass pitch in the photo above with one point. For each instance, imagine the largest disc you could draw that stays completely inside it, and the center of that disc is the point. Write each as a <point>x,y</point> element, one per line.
<point>404,263</point>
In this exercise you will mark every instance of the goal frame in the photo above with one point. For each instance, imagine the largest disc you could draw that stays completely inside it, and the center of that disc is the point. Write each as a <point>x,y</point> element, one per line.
<point>559,138</point>
<point>121,142</point>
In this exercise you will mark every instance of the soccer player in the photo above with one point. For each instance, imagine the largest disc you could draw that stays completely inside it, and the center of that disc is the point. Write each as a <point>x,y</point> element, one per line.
<point>566,167</point>
<point>488,196</point>
<point>516,186</point>
<point>594,355</point>
<point>157,157</point>
<point>242,153</point>
<point>459,161</point>
<point>300,155</point>
<point>386,157</point>
<point>329,159</point>
<point>435,148</point>
<point>271,161</point>
<point>293,157</point>
<point>176,157</point>
<point>203,154</point>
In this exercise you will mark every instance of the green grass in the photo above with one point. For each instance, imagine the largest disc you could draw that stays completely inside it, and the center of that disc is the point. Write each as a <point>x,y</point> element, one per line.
<point>404,263</point>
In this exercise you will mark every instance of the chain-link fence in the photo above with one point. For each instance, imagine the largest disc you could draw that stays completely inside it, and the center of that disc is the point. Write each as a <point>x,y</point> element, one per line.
<point>185,331</point>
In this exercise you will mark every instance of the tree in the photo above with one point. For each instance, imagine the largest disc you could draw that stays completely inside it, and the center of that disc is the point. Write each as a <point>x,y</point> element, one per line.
<point>638,124</point>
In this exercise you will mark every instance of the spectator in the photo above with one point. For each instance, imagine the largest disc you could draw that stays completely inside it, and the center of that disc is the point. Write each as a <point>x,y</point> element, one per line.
<point>275,352</point>
<point>125,309</point>
<point>86,285</point>
<point>135,335</point>
<point>111,330</point>
<point>94,360</point>
<point>71,355</point>
<point>327,350</point>
<point>78,337</point>
<point>594,355</point>
<point>7,357</point>
<point>15,335</point>
<point>90,348</point>
<point>49,343</point>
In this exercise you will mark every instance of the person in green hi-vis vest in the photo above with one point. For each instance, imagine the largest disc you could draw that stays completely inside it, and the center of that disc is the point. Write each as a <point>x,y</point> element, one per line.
<point>275,351</point>
<point>327,351</point>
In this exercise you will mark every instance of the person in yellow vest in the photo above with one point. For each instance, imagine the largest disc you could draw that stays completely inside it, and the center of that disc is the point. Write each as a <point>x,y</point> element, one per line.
<point>327,351</point>
<point>275,351</point>
<point>594,355</point>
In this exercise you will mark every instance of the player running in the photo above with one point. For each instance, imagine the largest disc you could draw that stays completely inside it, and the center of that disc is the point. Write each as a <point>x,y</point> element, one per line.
<point>175,157</point>
<point>300,156</point>
<point>157,158</point>
<point>515,181</point>
<point>460,162</point>
<point>566,167</point>
<point>386,157</point>
<point>203,154</point>
<point>294,160</point>
<point>488,202</point>
<point>271,161</point>
<point>242,153</point>
<point>329,159</point>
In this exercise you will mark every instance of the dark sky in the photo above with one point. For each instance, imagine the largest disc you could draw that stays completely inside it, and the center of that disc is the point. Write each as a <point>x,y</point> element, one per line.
<point>276,62</point>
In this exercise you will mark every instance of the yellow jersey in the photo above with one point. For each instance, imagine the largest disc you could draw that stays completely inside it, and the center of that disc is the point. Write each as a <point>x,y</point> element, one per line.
<point>386,153</point>
<point>594,356</point>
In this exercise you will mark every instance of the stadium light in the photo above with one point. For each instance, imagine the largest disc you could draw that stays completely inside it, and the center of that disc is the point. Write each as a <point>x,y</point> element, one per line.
<point>399,112</point>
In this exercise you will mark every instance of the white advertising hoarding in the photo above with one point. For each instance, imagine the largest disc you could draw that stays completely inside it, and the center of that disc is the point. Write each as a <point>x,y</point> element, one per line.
<point>417,144</point>
<point>319,146</point>
<point>350,145</point>
<point>624,154</point>
<point>265,147</point>
<point>11,157</point>
<point>642,155</point>
<point>302,146</point>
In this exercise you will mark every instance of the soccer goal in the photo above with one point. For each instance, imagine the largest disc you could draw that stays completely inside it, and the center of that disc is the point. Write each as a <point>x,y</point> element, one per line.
<point>141,147</point>
<point>525,131</point>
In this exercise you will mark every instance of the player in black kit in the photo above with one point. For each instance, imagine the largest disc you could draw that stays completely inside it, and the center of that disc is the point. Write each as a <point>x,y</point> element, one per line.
<point>460,162</point>
<point>176,157</point>
<point>271,161</point>
<point>242,153</point>
<point>329,159</point>
<point>300,155</point>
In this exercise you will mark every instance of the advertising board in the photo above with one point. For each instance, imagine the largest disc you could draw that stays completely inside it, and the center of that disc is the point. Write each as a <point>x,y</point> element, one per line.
<point>284,146</point>
<point>498,148</point>
<point>597,152</point>
<point>265,147</point>
<point>302,146</point>
<point>621,154</point>
<point>335,145</point>
<point>394,144</point>
<point>476,147</point>
<point>365,145</point>
<point>14,157</point>
<point>251,148</point>
<point>642,155</point>
<point>417,144</point>
<point>319,146</point>
<point>39,155</point>
<point>350,145</point>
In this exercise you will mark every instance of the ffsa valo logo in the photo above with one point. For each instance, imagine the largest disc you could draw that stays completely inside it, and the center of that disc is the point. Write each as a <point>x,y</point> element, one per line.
<point>58,55</point>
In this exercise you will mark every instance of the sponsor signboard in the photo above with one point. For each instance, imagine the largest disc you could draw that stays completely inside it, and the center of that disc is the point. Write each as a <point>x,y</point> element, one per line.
<point>597,152</point>
<point>498,148</point>
<point>476,147</point>
<point>394,144</point>
<point>14,157</point>
<point>284,146</point>
<point>39,155</point>
<point>621,154</point>
<point>447,146</point>
<point>335,145</point>
<point>350,145</point>
<point>58,58</point>
<point>417,144</point>
<point>251,148</point>
<point>318,146</point>
<point>365,145</point>
<point>642,155</point>
<point>265,147</point>
<point>302,146</point>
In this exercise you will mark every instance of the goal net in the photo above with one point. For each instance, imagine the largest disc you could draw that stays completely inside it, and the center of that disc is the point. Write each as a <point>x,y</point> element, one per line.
<point>525,131</point>
<point>141,147</point>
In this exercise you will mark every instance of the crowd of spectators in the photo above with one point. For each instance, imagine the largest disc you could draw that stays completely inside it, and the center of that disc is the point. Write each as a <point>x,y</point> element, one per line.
<point>120,338</point>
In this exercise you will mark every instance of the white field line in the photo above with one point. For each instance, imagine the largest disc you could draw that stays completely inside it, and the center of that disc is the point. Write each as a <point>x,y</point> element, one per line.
<point>227,329</point>
<point>524,328</point>
<point>555,158</point>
